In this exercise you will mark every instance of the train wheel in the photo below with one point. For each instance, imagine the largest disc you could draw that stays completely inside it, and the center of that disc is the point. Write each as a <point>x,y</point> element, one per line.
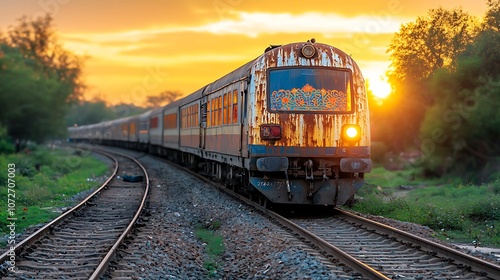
<point>263,201</point>
<point>350,201</point>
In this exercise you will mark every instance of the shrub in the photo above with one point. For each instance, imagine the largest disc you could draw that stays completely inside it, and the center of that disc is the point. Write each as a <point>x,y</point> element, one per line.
<point>488,209</point>
<point>440,218</point>
<point>378,150</point>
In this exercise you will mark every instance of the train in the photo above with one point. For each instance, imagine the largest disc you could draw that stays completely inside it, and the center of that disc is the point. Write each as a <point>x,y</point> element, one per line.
<point>288,127</point>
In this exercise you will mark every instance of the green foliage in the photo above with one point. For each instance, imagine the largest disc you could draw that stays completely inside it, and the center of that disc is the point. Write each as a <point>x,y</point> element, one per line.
<point>6,146</point>
<point>447,89</point>
<point>462,212</point>
<point>430,43</point>
<point>215,243</point>
<point>214,246</point>
<point>37,80</point>
<point>388,180</point>
<point>90,112</point>
<point>45,179</point>
<point>462,125</point>
<point>492,17</point>
<point>379,151</point>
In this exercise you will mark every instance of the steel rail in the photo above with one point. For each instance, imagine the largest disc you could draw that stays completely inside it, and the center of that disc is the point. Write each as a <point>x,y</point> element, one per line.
<point>30,240</point>
<point>344,257</point>
<point>480,265</point>
<point>101,268</point>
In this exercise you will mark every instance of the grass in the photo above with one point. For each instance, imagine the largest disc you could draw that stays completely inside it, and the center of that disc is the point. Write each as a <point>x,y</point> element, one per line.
<point>457,212</point>
<point>214,246</point>
<point>44,180</point>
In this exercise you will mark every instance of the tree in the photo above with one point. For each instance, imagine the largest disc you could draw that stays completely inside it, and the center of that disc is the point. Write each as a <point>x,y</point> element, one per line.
<point>89,112</point>
<point>462,125</point>
<point>36,40</point>
<point>38,79</point>
<point>492,18</point>
<point>416,51</point>
<point>430,43</point>
<point>162,99</point>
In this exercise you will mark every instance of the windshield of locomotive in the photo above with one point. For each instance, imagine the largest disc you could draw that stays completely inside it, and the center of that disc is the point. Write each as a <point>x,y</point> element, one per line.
<point>310,89</point>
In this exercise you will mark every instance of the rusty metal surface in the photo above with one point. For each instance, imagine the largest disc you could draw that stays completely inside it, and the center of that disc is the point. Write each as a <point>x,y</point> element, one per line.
<point>303,129</point>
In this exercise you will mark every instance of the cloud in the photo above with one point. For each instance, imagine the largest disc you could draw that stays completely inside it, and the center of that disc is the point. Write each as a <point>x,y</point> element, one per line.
<point>257,23</point>
<point>254,24</point>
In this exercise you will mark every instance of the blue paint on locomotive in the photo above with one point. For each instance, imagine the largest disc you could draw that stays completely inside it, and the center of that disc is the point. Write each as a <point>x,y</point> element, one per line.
<point>264,150</point>
<point>321,193</point>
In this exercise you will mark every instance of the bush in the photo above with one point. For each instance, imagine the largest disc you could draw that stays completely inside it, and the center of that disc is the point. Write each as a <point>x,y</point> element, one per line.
<point>439,218</point>
<point>379,150</point>
<point>483,210</point>
<point>6,146</point>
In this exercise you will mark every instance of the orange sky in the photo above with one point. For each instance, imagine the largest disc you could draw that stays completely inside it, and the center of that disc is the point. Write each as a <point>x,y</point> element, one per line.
<point>141,48</point>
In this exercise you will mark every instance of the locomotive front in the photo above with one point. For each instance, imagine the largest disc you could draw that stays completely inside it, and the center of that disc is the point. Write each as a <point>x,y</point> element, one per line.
<point>308,134</point>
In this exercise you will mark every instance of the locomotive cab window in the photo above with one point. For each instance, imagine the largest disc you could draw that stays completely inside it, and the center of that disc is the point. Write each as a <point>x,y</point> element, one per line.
<point>311,89</point>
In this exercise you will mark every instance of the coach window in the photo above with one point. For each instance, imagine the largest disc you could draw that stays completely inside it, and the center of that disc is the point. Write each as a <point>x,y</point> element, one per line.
<point>191,111</point>
<point>194,115</point>
<point>225,111</point>
<point>183,118</point>
<point>216,111</point>
<point>219,117</point>
<point>153,123</point>
<point>132,128</point>
<point>209,112</point>
<point>235,106</point>
<point>215,105</point>
<point>197,115</point>
<point>190,116</point>
<point>143,126</point>
<point>213,113</point>
<point>170,121</point>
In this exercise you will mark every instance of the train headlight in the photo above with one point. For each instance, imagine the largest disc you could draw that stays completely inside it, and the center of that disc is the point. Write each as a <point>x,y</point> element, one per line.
<point>351,132</point>
<point>308,50</point>
<point>270,131</point>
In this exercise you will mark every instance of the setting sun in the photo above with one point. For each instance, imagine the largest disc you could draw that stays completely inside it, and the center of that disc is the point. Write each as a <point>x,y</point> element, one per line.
<point>380,89</point>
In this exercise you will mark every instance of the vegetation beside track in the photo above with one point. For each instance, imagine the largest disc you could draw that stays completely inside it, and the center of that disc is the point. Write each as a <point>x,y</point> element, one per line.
<point>45,180</point>
<point>458,212</point>
<point>214,246</point>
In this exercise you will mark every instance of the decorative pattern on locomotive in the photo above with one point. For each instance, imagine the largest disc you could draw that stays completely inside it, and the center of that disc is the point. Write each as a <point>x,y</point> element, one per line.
<point>308,136</point>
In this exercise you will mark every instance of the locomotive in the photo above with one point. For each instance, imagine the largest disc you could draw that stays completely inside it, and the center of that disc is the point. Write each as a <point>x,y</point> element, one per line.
<point>289,127</point>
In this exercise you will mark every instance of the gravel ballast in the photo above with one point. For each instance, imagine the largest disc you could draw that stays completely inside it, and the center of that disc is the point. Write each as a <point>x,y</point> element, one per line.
<point>255,248</point>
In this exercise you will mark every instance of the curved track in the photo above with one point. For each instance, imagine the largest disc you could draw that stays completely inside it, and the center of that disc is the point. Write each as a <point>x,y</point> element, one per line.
<point>80,243</point>
<point>375,250</point>
<point>382,252</point>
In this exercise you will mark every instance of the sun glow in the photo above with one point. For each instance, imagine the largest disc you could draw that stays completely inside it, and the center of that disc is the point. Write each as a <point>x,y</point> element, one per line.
<point>380,89</point>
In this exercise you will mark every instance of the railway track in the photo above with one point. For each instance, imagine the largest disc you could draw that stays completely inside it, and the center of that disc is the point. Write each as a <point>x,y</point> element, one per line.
<point>375,250</point>
<point>379,251</point>
<point>81,242</point>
